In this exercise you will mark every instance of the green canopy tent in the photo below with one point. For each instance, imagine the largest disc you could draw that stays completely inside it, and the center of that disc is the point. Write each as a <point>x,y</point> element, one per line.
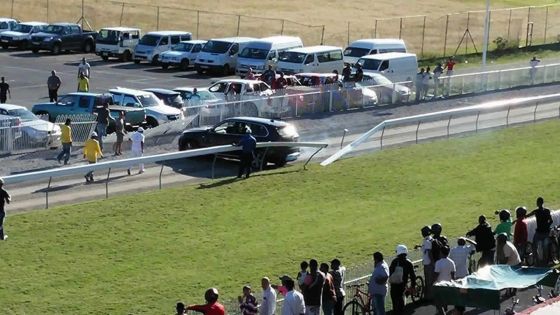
<point>482,289</point>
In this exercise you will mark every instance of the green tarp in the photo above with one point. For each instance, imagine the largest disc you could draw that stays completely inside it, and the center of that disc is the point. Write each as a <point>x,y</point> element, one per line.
<point>482,289</point>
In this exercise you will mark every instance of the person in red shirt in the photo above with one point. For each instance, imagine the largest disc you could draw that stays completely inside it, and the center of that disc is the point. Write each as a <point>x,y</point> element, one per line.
<point>520,233</point>
<point>212,307</point>
<point>449,66</point>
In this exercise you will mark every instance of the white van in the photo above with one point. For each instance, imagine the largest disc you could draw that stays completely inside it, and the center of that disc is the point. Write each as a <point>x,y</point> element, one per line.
<point>318,59</point>
<point>261,53</point>
<point>154,43</point>
<point>220,54</point>
<point>116,42</point>
<point>364,47</point>
<point>397,67</point>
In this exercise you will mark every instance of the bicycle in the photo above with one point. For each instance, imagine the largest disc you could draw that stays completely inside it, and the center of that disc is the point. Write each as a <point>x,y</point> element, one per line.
<point>511,310</point>
<point>357,305</point>
<point>417,293</point>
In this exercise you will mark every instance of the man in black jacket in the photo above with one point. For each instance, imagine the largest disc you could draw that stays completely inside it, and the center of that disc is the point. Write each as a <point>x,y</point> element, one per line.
<point>401,272</point>
<point>484,241</point>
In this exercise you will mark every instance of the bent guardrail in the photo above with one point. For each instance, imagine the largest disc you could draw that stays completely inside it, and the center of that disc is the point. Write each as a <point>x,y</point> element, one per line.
<point>448,115</point>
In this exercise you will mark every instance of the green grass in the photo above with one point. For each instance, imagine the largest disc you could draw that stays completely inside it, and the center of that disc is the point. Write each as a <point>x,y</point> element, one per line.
<point>141,253</point>
<point>473,60</point>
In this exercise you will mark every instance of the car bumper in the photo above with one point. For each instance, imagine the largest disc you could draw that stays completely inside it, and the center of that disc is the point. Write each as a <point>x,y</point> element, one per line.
<point>41,45</point>
<point>204,66</point>
<point>109,54</point>
<point>11,42</point>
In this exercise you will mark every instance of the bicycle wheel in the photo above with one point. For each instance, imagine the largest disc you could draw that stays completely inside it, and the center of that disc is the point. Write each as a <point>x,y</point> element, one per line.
<point>353,308</point>
<point>419,290</point>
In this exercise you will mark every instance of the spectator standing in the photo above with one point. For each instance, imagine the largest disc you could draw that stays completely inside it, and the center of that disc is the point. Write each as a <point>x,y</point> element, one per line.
<point>5,198</point>
<point>212,306</point>
<point>427,261</point>
<point>281,82</point>
<point>53,84</point>
<point>137,147</point>
<point>420,85</point>
<point>180,308</point>
<point>269,75</point>
<point>401,271</point>
<point>346,72</point>
<point>338,272</point>
<point>533,70</point>
<point>520,235</point>
<point>103,117</point>
<point>119,132</point>
<point>313,292</point>
<point>83,83</point>
<point>450,65</point>
<point>426,82</point>
<point>329,293</point>
<point>249,144</point>
<point>4,91</point>
<point>248,303</point>
<point>92,151</point>
<point>66,140</point>
<point>293,300</point>
<point>377,288</point>
<point>268,305</point>
<point>359,73</point>
<point>302,273</point>
<point>505,223</point>
<point>542,232</point>
<point>484,240</point>
<point>506,254</point>
<point>438,71</point>
<point>84,68</point>
<point>444,271</point>
<point>460,256</point>
<point>438,241</point>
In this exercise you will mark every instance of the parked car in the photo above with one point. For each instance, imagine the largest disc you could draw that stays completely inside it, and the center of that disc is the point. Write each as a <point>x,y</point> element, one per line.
<point>232,129</point>
<point>169,97</point>
<point>88,103</point>
<point>206,104</point>
<point>386,89</point>
<point>157,112</point>
<point>117,42</point>
<point>220,55</point>
<point>59,37</point>
<point>264,52</point>
<point>322,59</point>
<point>364,47</point>
<point>152,44</point>
<point>7,24</point>
<point>20,36</point>
<point>10,132</point>
<point>182,55</point>
<point>33,129</point>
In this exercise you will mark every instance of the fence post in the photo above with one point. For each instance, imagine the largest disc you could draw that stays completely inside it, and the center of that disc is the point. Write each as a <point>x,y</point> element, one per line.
<point>448,124</point>
<point>197,23</point>
<point>445,39</point>
<point>107,184</point>
<point>238,24</point>
<point>282,30</point>
<point>400,29</point>
<point>381,139</point>
<point>375,29</point>
<point>47,11</point>
<point>535,112</point>
<point>47,193</point>
<point>12,10</point>
<point>157,21</point>
<point>122,14</point>
<point>509,24</point>
<point>348,41</point>
<point>545,24</point>
<point>161,172</point>
<point>423,37</point>
<point>507,116</point>
<point>467,28</point>
<point>323,35</point>
<point>477,116</point>
<point>528,23</point>
<point>417,128</point>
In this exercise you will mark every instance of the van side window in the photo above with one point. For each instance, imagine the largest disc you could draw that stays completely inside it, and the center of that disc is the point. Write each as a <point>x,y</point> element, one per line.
<point>384,65</point>
<point>186,37</point>
<point>136,35</point>
<point>309,59</point>
<point>234,49</point>
<point>164,40</point>
<point>129,101</point>
<point>323,57</point>
<point>117,98</point>
<point>335,55</point>
<point>175,40</point>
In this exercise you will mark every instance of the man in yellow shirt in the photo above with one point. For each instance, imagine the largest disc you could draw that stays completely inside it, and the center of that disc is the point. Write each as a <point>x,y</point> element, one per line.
<point>92,151</point>
<point>66,139</point>
<point>83,83</point>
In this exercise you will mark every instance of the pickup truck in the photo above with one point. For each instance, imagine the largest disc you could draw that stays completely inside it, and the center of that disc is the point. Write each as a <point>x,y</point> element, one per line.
<point>88,103</point>
<point>60,37</point>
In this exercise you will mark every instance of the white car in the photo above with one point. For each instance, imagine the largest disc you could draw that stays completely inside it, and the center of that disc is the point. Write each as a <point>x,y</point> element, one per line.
<point>182,55</point>
<point>20,35</point>
<point>206,104</point>
<point>33,129</point>
<point>7,24</point>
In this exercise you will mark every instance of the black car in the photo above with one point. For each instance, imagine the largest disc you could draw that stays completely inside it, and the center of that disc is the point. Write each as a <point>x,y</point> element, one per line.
<point>169,97</point>
<point>231,130</point>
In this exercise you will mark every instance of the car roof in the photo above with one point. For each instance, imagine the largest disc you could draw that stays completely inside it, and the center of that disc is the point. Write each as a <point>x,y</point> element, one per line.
<point>7,20</point>
<point>312,74</point>
<point>10,106</point>
<point>390,55</point>
<point>235,39</point>
<point>194,41</point>
<point>162,91</point>
<point>190,88</point>
<point>84,94</point>
<point>238,81</point>
<point>128,91</point>
<point>311,49</point>
<point>33,23</point>
<point>65,24</point>
<point>163,33</point>
<point>265,121</point>
<point>120,28</point>
<point>378,41</point>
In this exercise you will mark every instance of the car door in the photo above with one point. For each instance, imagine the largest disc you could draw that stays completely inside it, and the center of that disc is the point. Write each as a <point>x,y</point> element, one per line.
<point>83,105</point>
<point>194,52</point>
<point>232,56</point>
<point>74,38</point>
<point>225,133</point>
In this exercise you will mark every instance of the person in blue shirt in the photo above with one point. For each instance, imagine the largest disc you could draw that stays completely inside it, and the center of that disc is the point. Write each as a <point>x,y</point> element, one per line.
<point>248,144</point>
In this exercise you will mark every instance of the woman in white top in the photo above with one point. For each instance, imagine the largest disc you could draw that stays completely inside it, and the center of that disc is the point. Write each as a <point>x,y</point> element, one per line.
<point>506,253</point>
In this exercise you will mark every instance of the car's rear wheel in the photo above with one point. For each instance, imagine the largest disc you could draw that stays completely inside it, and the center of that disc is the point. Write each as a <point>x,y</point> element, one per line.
<point>34,51</point>
<point>199,71</point>
<point>188,144</point>
<point>137,62</point>
<point>105,58</point>
<point>56,49</point>
<point>259,161</point>
<point>184,64</point>
<point>88,47</point>
<point>165,66</point>
<point>5,46</point>
<point>151,122</point>
<point>126,56</point>
<point>280,163</point>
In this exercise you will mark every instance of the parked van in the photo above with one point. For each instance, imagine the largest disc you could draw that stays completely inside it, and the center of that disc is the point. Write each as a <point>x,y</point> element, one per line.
<point>319,59</point>
<point>397,67</point>
<point>261,53</point>
<point>220,54</point>
<point>117,42</point>
<point>154,43</point>
<point>182,55</point>
<point>364,47</point>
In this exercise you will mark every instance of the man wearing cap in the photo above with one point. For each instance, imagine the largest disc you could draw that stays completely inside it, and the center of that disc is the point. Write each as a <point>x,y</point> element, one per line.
<point>249,144</point>
<point>137,140</point>
<point>401,272</point>
<point>5,198</point>
<point>92,151</point>
<point>293,301</point>
<point>268,305</point>
<point>248,303</point>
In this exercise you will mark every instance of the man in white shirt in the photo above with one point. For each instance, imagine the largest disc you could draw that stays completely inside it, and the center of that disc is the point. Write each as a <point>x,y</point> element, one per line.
<point>268,305</point>
<point>427,261</point>
<point>293,301</point>
<point>506,253</point>
<point>444,271</point>
<point>84,68</point>
<point>137,139</point>
<point>533,70</point>
<point>460,256</point>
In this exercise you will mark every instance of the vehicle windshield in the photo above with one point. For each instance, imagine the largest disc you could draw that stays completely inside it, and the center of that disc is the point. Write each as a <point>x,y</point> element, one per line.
<point>370,64</point>
<point>149,100</point>
<point>22,28</point>
<point>355,52</point>
<point>108,37</point>
<point>216,46</point>
<point>292,57</point>
<point>149,40</point>
<point>4,25</point>
<point>254,53</point>
<point>54,29</point>
<point>380,80</point>
<point>175,99</point>
<point>183,47</point>
<point>24,114</point>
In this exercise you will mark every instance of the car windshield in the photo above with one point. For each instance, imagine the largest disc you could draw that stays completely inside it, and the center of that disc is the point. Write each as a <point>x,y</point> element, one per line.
<point>149,100</point>
<point>54,29</point>
<point>381,80</point>
<point>108,37</point>
<point>24,114</point>
<point>292,57</point>
<point>149,40</point>
<point>183,47</point>
<point>370,64</point>
<point>216,46</point>
<point>175,99</point>
<point>23,28</point>
<point>355,52</point>
<point>254,53</point>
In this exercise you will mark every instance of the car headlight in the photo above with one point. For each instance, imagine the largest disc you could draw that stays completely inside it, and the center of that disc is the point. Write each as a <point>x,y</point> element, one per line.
<point>48,39</point>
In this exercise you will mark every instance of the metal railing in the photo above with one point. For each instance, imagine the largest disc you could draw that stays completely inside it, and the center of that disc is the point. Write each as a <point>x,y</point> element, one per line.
<point>466,119</point>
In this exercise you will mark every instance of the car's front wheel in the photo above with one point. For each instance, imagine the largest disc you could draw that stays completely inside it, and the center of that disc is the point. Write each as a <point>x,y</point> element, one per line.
<point>187,144</point>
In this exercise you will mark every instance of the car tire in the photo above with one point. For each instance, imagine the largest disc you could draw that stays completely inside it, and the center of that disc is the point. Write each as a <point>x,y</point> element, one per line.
<point>155,60</point>
<point>280,163</point>
<point>105,58</point>
<point>35,51</point>
<point>126,56</point>
<point>4,46</point>
<point>188,145</point>
<point>260,161</point>
<point>250,109</point>
<point>137,62</point>
<point>200,71</point>
<point>88,47</point>
<point>56,49</point>
<point>24,45</point>
<point>164,66</point>
<point>151,122</point>
<point>184,64</point>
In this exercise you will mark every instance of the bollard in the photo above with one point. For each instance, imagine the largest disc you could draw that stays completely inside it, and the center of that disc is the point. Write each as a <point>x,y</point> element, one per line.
<point>343,135</point>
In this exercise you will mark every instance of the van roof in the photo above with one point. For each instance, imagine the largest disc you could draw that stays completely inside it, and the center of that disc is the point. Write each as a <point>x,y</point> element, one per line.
<point>163,33</point>
<point>311,49</point>
<point>120,29</point>
<point>194,41</point>
<point>378,41</point>
<point>391,55</point>
<point>235,39</point>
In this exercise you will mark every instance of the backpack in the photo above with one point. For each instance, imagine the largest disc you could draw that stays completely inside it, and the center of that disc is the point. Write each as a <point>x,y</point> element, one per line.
<point>397,276</point>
